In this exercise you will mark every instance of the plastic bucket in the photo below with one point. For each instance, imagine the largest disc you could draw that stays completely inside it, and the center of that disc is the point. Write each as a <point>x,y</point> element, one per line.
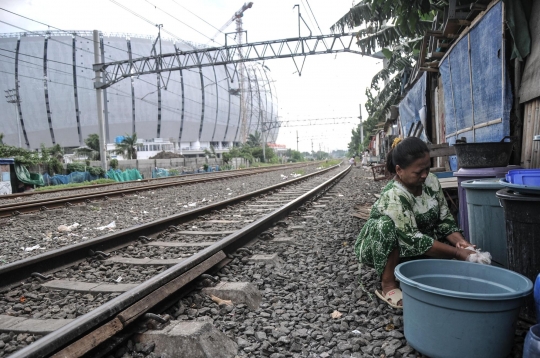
<point>486,218</point>
<point>524,177</point>
<point>460,309</point>
<point>522,217</point>
<point>478,173</point>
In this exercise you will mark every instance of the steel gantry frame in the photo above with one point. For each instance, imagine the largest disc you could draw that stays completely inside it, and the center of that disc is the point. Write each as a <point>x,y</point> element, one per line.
<point>114,72</point>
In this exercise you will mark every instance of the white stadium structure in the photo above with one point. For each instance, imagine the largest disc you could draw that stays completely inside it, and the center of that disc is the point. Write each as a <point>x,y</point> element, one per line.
<point>51,73</point>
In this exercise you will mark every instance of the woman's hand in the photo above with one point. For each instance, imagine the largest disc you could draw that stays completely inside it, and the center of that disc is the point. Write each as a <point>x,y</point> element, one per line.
<point>459,241</point>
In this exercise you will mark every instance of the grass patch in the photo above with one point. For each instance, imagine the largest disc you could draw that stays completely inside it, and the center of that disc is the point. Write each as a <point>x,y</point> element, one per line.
<point>76,185</point>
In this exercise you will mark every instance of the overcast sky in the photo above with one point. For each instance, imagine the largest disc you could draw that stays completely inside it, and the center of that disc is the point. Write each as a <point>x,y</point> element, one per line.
<point>330,86</point>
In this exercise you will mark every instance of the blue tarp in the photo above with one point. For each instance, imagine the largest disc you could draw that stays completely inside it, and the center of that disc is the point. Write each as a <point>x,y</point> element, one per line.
<point>74,177</point>
<point>476,86</point>
<point>413,107</point>
<point>477,93</point>
<point>126,175</point>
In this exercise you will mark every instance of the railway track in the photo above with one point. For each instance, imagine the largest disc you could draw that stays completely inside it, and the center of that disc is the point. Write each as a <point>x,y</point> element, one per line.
<point>137,269</point>
<point>107,191</point>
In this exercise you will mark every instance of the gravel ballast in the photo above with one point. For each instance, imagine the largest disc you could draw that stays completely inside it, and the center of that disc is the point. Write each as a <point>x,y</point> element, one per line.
<point>29,235</point>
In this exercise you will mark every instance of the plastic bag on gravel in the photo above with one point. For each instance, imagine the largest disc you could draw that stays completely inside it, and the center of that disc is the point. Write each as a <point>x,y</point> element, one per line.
<point>110,226</point>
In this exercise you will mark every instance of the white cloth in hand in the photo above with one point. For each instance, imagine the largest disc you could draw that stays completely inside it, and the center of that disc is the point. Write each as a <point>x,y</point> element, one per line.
<point>479,256</point>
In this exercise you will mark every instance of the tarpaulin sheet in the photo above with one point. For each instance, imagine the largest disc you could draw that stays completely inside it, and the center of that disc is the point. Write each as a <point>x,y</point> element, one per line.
<point>74,177</point>
<point>413,107</point>
<point>26,177</point>
<point>530,83</point>
<point>477,93</point>
<point>126,175</point>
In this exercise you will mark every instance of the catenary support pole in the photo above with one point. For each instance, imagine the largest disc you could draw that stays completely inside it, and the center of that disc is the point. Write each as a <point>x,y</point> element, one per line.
<point>361,128</point>
<point>99,102</point>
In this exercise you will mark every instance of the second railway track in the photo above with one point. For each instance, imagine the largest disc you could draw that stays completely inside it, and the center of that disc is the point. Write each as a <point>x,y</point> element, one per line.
<point>39,201</point>
<point>134,270</point>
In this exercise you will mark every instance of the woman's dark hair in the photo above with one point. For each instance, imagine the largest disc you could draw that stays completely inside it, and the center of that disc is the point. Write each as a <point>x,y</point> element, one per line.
<point>405,153</point>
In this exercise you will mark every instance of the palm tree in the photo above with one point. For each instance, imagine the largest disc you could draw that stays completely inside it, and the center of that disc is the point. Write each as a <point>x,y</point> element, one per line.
<point>128,147</point>
<point>254,140</point>
<point>396,28</point>
<point>91,150</point>
<point>1,138</point>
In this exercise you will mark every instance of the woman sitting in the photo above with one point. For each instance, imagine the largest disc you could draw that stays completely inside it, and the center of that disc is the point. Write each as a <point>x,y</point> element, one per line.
<point>411,218</point>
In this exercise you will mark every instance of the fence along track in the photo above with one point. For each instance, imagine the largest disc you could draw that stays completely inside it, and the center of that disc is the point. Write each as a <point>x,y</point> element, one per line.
<point>88,331</point>
<point>7,210</point>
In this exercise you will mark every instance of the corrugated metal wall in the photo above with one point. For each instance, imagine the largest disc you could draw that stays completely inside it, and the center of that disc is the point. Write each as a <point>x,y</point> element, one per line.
<point>530,157</point>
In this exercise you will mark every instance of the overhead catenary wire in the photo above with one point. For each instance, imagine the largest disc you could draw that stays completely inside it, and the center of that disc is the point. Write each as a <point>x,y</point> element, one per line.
<point>147,20</point>
<point>177,19</point>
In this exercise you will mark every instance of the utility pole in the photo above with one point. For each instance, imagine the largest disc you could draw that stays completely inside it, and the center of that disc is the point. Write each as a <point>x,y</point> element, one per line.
<point>13,97</point>
<point>297,141</point>
<point>99,102</point>
<point>311,146</point>
<point>361,128</point>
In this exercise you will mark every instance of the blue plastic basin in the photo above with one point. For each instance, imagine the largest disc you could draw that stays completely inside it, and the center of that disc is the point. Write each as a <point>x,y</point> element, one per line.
<point>460,309</point>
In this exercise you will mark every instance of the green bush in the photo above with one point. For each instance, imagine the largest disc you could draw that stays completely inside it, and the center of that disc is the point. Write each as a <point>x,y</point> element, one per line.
<point>114,163</point>
<point>75,167</point>
<point>96,171</point>
<point>174,172</point>
<point>56,166</point>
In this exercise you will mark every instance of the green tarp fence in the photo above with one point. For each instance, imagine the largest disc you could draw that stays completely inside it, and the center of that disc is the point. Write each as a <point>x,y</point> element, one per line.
<point>26,177</point>
<point>126,175</point>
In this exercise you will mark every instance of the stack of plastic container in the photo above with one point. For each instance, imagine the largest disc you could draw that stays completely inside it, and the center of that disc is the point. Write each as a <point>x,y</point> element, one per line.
<point>475,173</point>
<point>521,202</point>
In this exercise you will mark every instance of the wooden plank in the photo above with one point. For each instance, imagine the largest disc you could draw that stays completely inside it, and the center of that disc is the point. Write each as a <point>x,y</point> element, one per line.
<point>429,69</point>
<point>525,147</point>
<point>535,158</point>
<point>442,152</point>
<point>436,55</point>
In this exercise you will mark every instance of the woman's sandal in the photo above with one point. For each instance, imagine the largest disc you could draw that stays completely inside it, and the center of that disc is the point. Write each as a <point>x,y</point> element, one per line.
<point>391,296</point>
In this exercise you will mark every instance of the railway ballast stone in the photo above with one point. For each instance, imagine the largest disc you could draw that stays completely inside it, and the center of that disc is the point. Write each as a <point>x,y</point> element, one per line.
<point>271,259</point>
<point>238,292</point>
<point>192,339</point>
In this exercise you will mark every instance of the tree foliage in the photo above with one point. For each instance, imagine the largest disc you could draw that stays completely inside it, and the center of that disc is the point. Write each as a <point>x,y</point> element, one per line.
<point>254,139</point>
<point>128,147</point>
<point>91,151</point>
<point>395,28</point>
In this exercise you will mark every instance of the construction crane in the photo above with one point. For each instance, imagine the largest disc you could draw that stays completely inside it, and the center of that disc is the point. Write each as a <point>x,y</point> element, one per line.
<point>239,32</point>
<point>238,18</point>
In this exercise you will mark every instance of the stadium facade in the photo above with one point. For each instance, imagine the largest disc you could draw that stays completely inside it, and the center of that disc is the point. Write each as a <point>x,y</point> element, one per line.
<point>52,74</point>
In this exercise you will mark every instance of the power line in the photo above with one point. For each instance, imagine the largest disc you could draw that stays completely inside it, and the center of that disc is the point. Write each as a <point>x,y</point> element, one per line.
<point>146,20</point>
<point>307,1</point>
<point>180,21</point>
<point>197,16</point>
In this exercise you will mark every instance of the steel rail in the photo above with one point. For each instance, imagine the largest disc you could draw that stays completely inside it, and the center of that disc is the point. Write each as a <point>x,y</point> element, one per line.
<point>123,310</point>
<point>7,210</point>
<point>149,180</point>
<point>16,271</point>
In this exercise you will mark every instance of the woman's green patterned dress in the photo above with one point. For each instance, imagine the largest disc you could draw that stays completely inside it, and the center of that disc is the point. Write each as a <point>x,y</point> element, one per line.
<point>400,219</point>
